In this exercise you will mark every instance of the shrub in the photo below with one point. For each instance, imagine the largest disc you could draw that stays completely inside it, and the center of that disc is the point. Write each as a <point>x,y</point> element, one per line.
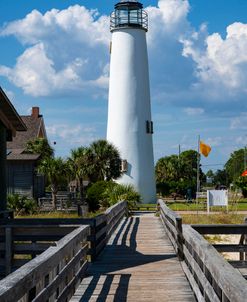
<point>21,204</point>
<point>118,192</point>
<point>95,195</point>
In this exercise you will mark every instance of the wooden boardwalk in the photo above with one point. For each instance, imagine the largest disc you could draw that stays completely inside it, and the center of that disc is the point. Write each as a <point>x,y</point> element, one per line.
<point>138,264</point>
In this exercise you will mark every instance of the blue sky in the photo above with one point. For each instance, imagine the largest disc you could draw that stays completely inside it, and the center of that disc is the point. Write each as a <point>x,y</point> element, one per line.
<point>55,55</point>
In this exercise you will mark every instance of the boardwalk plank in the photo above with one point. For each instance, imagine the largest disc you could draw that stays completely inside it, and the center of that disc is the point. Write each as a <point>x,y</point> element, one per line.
<point>138,265</point>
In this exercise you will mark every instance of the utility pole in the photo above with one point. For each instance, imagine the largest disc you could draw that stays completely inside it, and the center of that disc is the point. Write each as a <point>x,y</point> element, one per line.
<point>198,173</point>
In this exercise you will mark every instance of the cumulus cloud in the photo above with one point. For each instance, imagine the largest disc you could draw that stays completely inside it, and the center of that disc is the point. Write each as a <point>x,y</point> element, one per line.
<point>220,62</point>
<point>65,51</point>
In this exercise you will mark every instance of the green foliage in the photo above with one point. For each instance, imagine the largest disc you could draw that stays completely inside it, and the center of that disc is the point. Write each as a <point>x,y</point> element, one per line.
<point>177,173</point>
<point>117,192</point>
<point>55,169</point>
<point>40,146</point>
<point>106,193</point>
<point>21,204</point>
<point>98,162</point>
<point>221,178</point>
<point>235,165</point>
<point>79,166</point>
<point>106,161</point>
<point>95,195</point>
<point>241,182</point>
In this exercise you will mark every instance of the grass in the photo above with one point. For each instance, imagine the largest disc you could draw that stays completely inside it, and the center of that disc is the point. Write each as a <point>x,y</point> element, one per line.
<point>59,214</point>
<point>202,206</point>
<point>221,218</point>
<point>53,214</point>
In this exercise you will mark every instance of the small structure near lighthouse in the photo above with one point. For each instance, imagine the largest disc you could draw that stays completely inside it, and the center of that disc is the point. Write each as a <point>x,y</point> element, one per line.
<point>130,126</point>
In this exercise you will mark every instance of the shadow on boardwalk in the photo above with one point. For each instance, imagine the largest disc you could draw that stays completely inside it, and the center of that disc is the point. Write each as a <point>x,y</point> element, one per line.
<point>133,260</point>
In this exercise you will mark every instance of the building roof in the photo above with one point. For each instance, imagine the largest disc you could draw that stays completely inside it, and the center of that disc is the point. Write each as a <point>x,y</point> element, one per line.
<point>35,129</point>
<point>8,115</point>
<point>24,156</point>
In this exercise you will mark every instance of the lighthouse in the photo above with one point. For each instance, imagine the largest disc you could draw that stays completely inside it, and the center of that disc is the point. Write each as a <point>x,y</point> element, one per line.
<point>130,127</point>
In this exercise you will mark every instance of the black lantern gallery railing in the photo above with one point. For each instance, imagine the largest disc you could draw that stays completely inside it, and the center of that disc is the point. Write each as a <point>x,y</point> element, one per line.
<point>129,14</point>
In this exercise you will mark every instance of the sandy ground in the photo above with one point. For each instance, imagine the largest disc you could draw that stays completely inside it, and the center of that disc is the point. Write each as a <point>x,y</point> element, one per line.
<point>227,239</point>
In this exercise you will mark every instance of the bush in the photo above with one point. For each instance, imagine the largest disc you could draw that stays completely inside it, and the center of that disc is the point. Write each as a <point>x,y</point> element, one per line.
<point>107,193</point>
<point>95,195</point>
<point>21,204</point>
<point>118,192</point>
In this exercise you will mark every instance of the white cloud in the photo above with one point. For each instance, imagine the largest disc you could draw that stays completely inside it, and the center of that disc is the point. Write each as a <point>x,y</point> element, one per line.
<point>239,122</point>
<point>220,63</point>
<point>194,111</point>
<point>72,135</point>
<point>214,141</point>
<point>65,51</point>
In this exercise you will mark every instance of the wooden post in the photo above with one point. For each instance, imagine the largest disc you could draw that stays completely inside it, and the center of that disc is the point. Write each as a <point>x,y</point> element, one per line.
<point>93,240</point>
<point>3,168</point>
<point>180,239</point>
<point>8,250</point>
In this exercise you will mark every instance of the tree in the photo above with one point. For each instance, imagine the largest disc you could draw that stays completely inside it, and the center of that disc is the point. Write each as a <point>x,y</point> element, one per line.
<point>178,173</point>
<point>235,165</point>
<point>241,182</point>
<point>105,164</point>
<point>55,169</point>
<point>188,164</point>
<point>221,178</point>
<point>40,146</point>
<point>167,169</point>
<point>80,165</point>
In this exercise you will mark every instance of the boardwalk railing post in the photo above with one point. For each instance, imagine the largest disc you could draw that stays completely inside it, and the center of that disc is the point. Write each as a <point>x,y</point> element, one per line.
<point>180,240</point>
<point>8,250</point>
<point>93,240</point>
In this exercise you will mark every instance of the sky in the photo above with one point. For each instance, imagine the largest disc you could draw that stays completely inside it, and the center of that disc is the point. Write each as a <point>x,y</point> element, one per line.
<point>55,55</point>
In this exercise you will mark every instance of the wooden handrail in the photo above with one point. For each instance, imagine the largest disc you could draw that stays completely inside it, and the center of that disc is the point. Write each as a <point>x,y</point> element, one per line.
<point>212,278</point>
<point>54,273</point>
<point>173,224</point>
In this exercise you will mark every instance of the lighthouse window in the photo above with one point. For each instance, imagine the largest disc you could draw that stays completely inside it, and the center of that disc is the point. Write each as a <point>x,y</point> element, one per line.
<point>149,127</point>
<point>134,17</point>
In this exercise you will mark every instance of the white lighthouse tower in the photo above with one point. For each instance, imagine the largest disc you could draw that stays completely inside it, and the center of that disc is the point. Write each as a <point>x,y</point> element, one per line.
<point>130,127</point>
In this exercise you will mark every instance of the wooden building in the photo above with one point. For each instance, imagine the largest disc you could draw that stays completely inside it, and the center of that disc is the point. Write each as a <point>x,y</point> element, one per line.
<point>22,176</point>
<point>10,123</point>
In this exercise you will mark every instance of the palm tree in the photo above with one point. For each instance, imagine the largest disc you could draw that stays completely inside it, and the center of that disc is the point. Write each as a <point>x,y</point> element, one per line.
<point>40,146</point>
<point>79,165</point>
<point>55,170</point>
<point>106,161</point>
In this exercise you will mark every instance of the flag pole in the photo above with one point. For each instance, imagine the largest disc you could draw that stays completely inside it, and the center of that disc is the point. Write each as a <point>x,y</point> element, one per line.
<point>198,173</point>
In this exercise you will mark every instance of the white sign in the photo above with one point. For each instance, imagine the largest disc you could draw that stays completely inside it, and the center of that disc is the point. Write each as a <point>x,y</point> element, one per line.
<point>217,198</point>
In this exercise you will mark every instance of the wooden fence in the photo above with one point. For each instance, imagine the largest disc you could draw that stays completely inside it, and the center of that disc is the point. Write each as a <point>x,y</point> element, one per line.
<point>53,275</point>
<point>173,225</point>
<point>23,239</point>
<point>212,278</point>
